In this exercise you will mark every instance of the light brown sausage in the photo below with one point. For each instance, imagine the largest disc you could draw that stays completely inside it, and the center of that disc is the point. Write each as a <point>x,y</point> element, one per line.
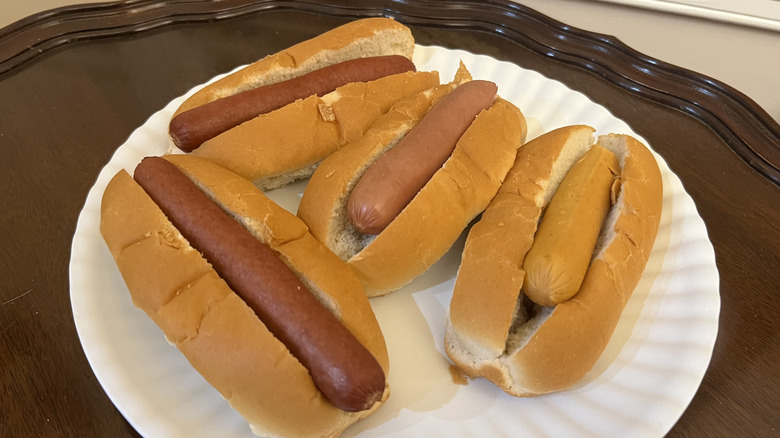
<point>345,372</point>
<point>391,182</point>
<point>191,128</point>
<point>556,263</point>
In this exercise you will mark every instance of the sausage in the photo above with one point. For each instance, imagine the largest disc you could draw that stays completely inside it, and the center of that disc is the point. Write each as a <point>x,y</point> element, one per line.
<point>556,263</point>
<point>344,371</point>
<point>391,182</point>
<point>191,128</point>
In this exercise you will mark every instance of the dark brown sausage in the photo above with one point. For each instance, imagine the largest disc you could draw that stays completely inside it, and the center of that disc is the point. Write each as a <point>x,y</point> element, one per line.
<point>345,372</point>
<point>191,128</point>
<point>391,182</point>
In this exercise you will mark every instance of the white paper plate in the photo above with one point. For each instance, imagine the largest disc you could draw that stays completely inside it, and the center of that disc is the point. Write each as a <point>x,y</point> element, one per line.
<point>639,387</point>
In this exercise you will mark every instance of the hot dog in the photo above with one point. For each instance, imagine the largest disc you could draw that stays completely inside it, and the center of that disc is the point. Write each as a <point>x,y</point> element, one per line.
<point>316,96</point>
<point>492,329</point>
<point>557,261</point>
<point>191,128</point>
<point>271,318</point>
<point>467,176</point>
<point>418,155</point>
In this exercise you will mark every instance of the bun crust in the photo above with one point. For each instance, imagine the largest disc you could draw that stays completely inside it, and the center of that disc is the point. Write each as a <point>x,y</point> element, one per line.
<point>356,39</point>
<point>490,331</point>
<point>434,219</point>
<point>218,333</point>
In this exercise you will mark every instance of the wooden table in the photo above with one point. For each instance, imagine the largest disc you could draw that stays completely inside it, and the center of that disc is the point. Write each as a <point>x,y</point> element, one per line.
<point>76,81</point>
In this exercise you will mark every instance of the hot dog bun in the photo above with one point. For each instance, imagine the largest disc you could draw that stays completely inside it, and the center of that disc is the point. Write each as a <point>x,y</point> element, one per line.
<point>215,329</point>
<point>491,330</point>
<point>288,143</point>
<point>356,39</point>
<point>432,221</point>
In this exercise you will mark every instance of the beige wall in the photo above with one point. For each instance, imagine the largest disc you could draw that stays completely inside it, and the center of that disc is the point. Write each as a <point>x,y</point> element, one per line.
<point>12,10</point>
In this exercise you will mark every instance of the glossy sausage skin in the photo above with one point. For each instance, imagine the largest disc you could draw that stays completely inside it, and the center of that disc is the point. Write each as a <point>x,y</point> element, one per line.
<point>391,182</point>
<point>345,372</point>
<point>191,128</point>
<point>556,264</point>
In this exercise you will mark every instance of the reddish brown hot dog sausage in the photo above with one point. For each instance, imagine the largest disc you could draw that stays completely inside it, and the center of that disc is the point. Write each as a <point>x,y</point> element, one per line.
<point>395,178</point>
<point>191,128</point>
<point>345,372</point>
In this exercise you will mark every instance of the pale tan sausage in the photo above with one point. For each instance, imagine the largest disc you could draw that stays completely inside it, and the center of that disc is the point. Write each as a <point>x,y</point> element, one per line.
<point>563,245</point>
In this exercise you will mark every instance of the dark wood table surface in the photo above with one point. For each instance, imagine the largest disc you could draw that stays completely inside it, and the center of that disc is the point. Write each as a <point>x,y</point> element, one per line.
<point>76,81</point>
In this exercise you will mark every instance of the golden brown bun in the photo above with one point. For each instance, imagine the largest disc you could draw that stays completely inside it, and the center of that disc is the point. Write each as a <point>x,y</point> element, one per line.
<point>219,334</point>
<point>489,333</point>
<point>285,145</point>
<point>356,39</point>
<point>279,147</point>
<point>434,219</point>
